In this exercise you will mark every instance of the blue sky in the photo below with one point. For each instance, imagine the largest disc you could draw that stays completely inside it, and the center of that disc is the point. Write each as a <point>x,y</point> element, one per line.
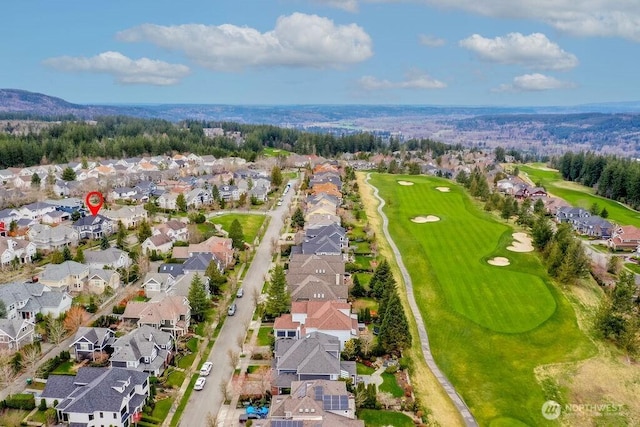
<point>444,52</point>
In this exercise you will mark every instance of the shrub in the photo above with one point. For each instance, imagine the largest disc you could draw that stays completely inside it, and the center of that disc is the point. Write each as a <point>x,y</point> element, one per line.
<point>64,355</point>
<point>118,309</point>
<point>391,369</point>
<point>21,401</point>
<point>43,405</point>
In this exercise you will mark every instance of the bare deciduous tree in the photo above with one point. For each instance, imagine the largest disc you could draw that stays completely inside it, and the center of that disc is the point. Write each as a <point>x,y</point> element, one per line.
<point>234,358</point>
<point>32,355</point>
<point>212,420</point>
<point>7,373</point>
<point>55,330</point>
<point>386,399</point>
<point>366,344</point>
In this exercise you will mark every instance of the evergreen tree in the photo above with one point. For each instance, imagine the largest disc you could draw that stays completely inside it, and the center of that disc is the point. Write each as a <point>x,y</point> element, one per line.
<point>35,180</point>
<point>198,298</point>
<point>278,299</point>
<point>276,176</point>
<point>604,213</point>
<point>216,278</point>
<point>57,257</point>
<point>297,219</point>
<point>79,256</point>
<point>181,203</point>
<point>594,209</point>
<point>538,207</point>
<point>542,233</point>
<point>68,174</point>
<point>121,236</point>
<point>394,333</point>
<point>358,291</point>
<point>144,232</point>
<point>66,253</point>
<point>215,194</point>
<point>236,235</point>
<point>104,243</point>
<point>380,279</point>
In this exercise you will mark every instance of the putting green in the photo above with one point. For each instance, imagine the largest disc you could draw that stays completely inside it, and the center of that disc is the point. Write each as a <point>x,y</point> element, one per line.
<point>457,249</point>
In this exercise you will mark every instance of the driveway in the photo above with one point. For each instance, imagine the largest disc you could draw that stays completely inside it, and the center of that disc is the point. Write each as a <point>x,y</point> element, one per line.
<point>208,401</point>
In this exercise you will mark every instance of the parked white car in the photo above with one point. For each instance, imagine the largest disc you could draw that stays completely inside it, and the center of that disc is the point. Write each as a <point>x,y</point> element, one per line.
<point>206,369</point>
<point>200,382</point>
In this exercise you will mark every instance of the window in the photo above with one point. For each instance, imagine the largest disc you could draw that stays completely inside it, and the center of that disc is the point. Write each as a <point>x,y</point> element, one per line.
<point>90,417</point>
<point>101,414</point>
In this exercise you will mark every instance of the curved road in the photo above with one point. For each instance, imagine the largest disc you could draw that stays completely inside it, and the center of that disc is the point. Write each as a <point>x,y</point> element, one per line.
<point>422,330</point>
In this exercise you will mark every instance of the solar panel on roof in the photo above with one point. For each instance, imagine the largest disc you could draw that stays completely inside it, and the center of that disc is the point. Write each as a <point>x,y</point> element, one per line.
<point>286,423</point>
<point>335,403</point>
<point>319,392</point>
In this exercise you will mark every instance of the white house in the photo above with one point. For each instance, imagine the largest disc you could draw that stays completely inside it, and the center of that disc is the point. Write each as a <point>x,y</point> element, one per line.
<point>14,249</point>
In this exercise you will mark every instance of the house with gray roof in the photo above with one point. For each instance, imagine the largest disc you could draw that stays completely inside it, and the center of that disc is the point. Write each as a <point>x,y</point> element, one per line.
<point>68,276</point>
<point>158,283</point>
<point>144,349</point>
<point>317,402</point>
<point>112,258</point>
<point>25,300</point>
<point>316,356</point>
<point>90,341</point>
<point>15,333</point>
<point>50,238</point>
<point>183,284</point>
<point>93,226</point>
<point>98,396</point>
<point>173,269</point>
<point>198,262</point>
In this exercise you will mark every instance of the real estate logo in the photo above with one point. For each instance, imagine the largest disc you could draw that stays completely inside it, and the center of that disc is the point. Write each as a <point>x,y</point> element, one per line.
<point>551,409</point>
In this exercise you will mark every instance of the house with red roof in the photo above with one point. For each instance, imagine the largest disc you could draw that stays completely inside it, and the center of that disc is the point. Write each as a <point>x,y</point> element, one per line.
<point>626,237</point>
<point>329,317</point>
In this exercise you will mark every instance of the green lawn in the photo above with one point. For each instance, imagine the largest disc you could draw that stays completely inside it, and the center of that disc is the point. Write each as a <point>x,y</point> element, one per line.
<point>264,335</point>
<point>633,267</point>
<point>390,385</point>
<point>364,369</point>
<point>192,344</point>
<point>162,408</point>
<point>364,279</point>
<point>373,418</point>
<point>65,368</point>
<point>39,416</point>
<point>489,327</point>
<point>274,152</point>
<point>175,378</point>
<point>579,195</point>
<point>250,223</point>
<point>186,361</point>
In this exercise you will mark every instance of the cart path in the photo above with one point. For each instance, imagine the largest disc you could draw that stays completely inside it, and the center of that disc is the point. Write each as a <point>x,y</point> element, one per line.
<point>460,405</point>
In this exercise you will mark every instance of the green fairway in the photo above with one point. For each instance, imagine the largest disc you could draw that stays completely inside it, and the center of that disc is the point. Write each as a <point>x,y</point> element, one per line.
<point>489,326</point>
<point>250,223</point>
<point>579,195</point>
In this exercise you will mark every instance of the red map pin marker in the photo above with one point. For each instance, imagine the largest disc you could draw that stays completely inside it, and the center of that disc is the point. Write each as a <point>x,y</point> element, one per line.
<point>94,202</point>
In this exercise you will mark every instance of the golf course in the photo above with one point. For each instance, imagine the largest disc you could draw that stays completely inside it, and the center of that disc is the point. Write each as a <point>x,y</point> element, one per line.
<point>492,313</point>
<point>579,195</point>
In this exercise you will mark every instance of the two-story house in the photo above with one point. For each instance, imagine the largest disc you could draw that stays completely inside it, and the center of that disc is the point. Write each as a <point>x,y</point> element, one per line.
<point>15,333</point>
<point>49,238</point>
<point>68,276</point>
<point>330,317</point>
<point>314,356</point>
<point>89,341</point>
<point>25,300</point>
<point>112,258</point>
<point>167,313</point>
<point>130,216</point>
<point>98,396</point>
<point>144,349</point>
<point>16,250</point>
<point>93,227</point>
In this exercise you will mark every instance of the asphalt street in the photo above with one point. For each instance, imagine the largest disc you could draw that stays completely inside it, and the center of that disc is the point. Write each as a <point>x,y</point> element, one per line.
<point>208,401</point>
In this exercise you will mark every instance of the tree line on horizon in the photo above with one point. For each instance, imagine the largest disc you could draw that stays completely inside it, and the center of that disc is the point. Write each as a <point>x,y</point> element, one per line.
<point>121,137</point>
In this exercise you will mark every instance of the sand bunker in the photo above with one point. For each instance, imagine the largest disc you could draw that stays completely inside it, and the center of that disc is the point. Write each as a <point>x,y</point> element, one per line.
<point>522,243</point>
<point>423,219</point>
<point>499,261</point>
<point>443,189</point>
<point>405,182</point>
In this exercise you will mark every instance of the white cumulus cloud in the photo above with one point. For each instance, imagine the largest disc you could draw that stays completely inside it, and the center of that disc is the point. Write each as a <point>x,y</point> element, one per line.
<point>431,41</point>
<point>535,82</point>
<point>588,18</point>
<point>297,40</point>
<point>125,70</point>
<point>534,51</point>
<point>414,79</point>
